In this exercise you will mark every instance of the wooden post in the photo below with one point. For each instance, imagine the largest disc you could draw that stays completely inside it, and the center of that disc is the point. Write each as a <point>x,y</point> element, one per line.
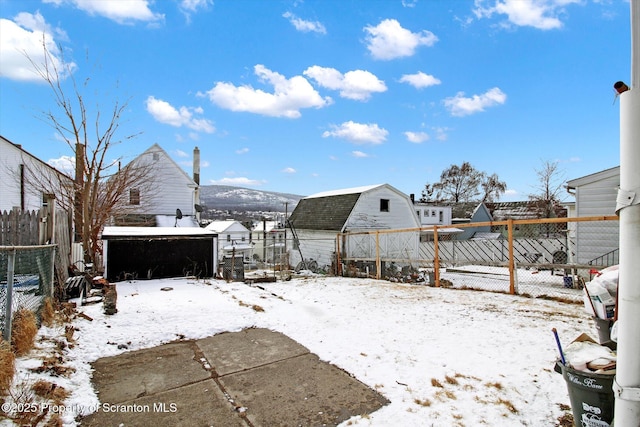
<point>512,279</point>
<point>338,269</point>
<point>378,262</point>
<point>436,257</point>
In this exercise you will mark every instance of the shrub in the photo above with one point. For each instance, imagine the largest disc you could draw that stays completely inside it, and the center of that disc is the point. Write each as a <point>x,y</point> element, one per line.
<point>7,367</point>
<point>23,332</point>
<point>47,313</point>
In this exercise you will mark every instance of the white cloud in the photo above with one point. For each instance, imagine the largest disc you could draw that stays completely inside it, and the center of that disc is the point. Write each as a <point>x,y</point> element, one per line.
<point>540,14</point>
<point>65,164</point>
<point>22,39</point>
<point>164,112</point>
<point>416,137</point>
<point>420,80</point>
<point>388,40</point>
<point>289,170</point>
<point>460,106</point>
<point>122,12</point>
<point>242,150</point>
<point>288,98</point>
<point>181,153</point>
<point>194,5</point>
<point>241,180</point>
<point>357,84</point>
<point>359,154</point>
<point>441,133</point>
<point>358,133</point>
<point>305,26</point>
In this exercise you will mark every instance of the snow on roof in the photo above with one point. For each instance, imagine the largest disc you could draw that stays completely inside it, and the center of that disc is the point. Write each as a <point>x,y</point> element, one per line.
<point>154,231</point>
<point>344,191</point>
<point>171,221</point>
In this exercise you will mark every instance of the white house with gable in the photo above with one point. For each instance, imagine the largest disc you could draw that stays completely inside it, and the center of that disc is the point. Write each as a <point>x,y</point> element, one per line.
<point>233,238</point>
<point>318,219</point>
<point>167,197</point>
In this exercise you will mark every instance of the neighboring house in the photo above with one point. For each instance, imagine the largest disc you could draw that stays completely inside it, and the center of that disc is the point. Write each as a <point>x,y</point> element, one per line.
<point>167,190</point>
<point>317,219</point>
<point>502,211</point>
<point>430,215</point>
<point>468,213</point>
<point>28,182</point>
<point>269,239</point>
<point>597,243</point>
<point>233,238</point>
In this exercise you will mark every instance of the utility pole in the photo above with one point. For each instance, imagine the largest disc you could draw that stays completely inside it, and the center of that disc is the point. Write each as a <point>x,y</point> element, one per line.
<point>626,386</point>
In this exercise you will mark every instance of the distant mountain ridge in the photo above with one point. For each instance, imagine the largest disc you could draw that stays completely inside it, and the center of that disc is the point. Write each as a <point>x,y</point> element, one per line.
<point>226,197</point>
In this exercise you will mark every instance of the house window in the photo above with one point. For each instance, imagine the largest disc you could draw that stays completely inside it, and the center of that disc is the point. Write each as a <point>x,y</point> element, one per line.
<point>433,213</point>
<point>244,238</point>
<point>384,205</point>
<point>418,213</point>
<point>441,218</point>
<point>134,196</point>
<point>228,237</point>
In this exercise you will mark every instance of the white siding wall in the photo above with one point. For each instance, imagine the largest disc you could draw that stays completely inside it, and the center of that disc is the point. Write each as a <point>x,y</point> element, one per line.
<point>597,198</point>
<point>366,214</point>
<point>317,245</point>
<point>171,188</point>
<point>35,176</point>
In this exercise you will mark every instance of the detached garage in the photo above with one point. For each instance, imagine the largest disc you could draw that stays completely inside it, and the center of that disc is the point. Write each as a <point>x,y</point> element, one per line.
<point>159,252</point>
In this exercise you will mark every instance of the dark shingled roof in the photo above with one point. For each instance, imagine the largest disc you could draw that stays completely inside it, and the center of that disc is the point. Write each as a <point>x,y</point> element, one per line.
<point>324,213</point>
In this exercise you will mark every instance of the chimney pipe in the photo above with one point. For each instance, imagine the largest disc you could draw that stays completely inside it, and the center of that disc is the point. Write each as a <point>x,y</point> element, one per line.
<point>196,165</point>
<point>413,198</point>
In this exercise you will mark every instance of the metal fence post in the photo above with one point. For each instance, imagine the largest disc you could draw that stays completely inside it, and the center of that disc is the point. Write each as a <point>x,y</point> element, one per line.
<point>11,258</point>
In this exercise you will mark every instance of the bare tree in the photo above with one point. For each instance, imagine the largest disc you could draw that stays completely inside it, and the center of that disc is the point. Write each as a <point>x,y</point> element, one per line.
<point>492,188</point>
<point>100,185</point>
<point>551,183</point>
<point>464,183</point>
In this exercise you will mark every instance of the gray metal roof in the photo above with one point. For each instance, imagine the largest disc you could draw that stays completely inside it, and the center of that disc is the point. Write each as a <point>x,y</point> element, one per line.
<point>324,213</point>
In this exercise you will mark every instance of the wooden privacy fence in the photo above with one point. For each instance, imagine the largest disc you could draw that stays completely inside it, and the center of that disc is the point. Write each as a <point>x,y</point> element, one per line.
<point>30,228</point>
<point>571,246</point>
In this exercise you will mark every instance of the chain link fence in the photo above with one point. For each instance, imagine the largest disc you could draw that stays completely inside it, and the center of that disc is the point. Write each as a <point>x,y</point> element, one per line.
<point>26,279</point>
<point>543,257</point>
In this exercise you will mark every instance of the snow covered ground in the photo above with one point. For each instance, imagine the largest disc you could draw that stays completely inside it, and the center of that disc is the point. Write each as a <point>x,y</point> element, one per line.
<point>443,357</point>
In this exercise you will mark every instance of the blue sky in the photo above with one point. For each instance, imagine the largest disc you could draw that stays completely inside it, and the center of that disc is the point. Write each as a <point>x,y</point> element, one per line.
<point>304,96</point>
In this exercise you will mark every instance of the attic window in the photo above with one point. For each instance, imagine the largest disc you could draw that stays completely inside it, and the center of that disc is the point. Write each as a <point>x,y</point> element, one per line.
<point>134,196</point>
<point>384,205</point>
<point>156,156</point>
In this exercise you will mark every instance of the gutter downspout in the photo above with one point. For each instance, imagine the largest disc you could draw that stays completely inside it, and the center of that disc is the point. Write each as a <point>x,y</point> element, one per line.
<point>626,385</point>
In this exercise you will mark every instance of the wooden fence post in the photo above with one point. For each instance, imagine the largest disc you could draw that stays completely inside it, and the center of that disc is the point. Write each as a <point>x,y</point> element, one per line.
<point>378,262</point>
<point>436,257</point>
<point>512,277</point>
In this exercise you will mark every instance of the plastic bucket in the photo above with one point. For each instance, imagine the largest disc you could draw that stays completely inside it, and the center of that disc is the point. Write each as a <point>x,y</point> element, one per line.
<point>591,396</point>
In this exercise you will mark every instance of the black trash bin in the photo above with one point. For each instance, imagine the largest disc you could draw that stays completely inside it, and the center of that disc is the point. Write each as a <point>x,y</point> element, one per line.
<point>591,396</point>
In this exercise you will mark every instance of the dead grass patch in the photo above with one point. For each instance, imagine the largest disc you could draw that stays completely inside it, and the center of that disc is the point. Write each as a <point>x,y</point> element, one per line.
<point>510,406</point>
<point>451,380</point>
<point>54,366</point>
<point>7,367</point>
<point>23,331</point>
<point>50,391</point>
<point>496,385</point>
<point>436,383</point>
<point>47,313</point>
<point>422,402</point>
